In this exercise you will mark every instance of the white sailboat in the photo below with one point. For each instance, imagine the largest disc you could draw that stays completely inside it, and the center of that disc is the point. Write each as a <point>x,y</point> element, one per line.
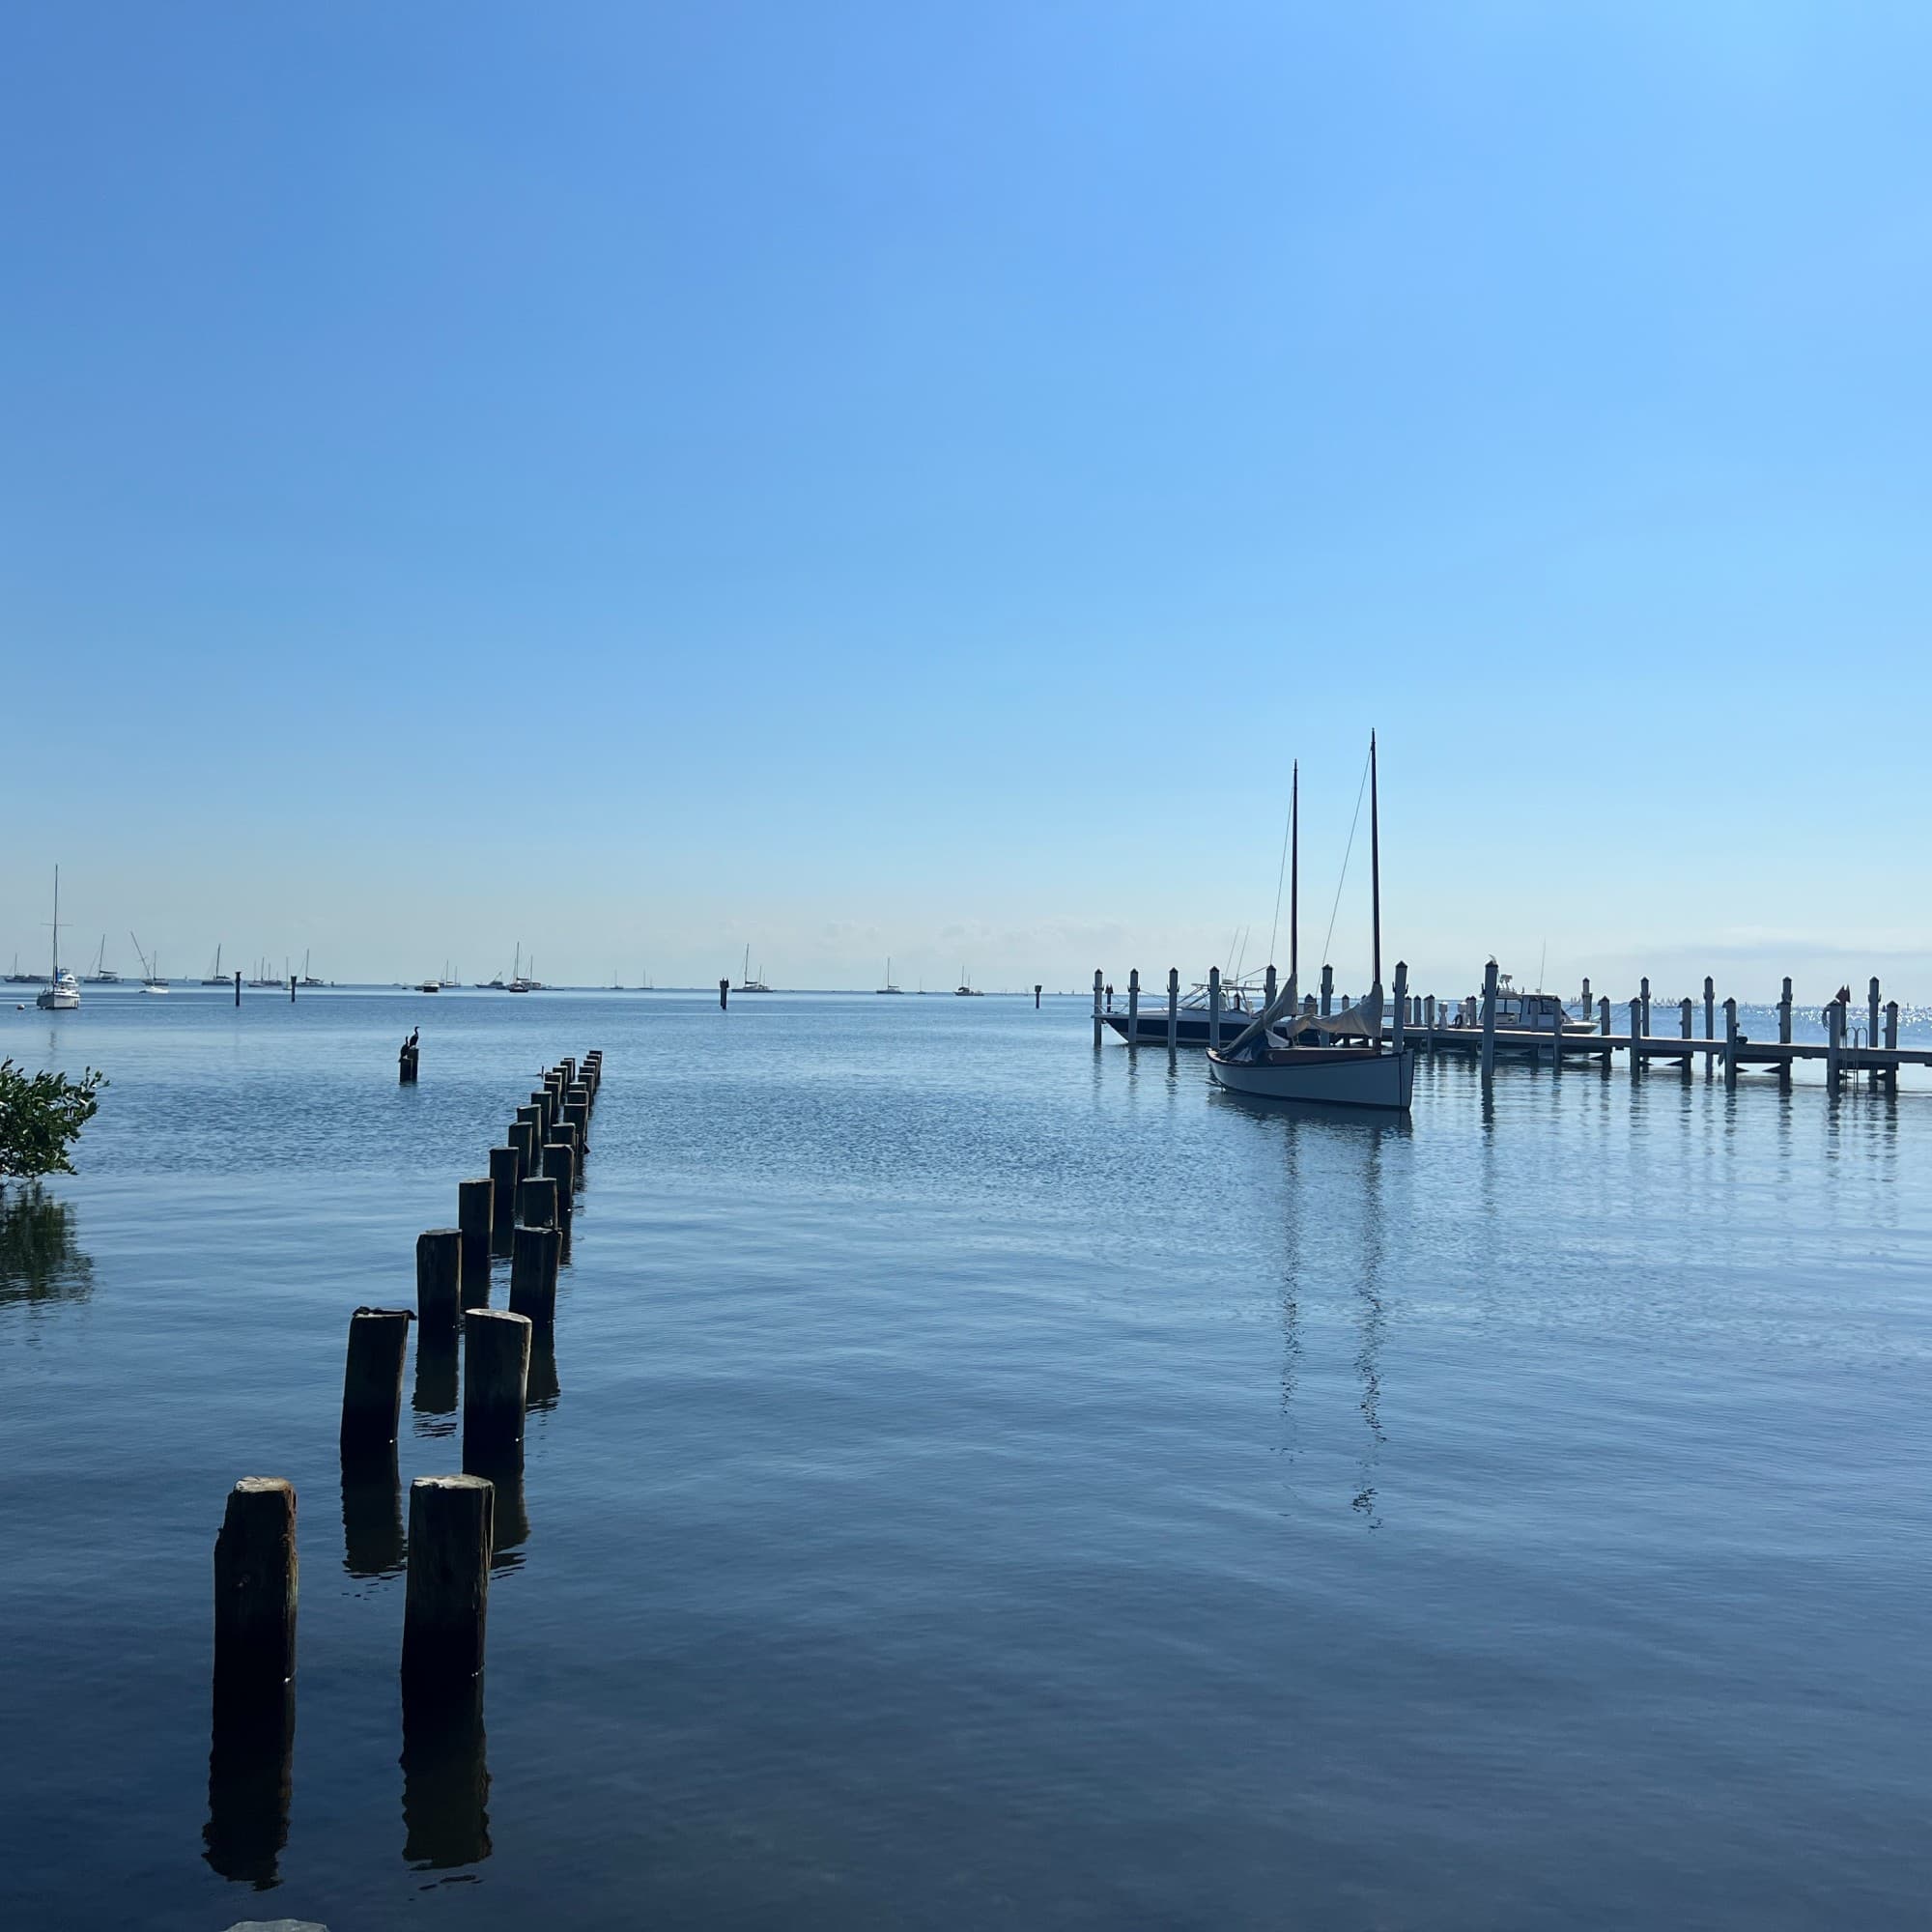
<point>749,985</point>
<point>1302,1060</point>
<point>62,993</point>
<point>150,970</point>
<point>103,974</point>
<point>888,987</point>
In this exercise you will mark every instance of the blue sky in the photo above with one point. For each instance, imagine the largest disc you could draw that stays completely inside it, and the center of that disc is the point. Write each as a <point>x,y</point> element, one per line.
<point>863,478</point>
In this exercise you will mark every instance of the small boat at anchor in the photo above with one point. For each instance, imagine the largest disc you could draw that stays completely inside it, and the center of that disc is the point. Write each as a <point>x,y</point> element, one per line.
<point>1337,1059</point>
<point>61,994</point>
<point>103,974</point>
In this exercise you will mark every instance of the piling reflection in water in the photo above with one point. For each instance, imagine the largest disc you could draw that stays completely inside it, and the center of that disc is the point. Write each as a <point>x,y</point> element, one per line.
<point>40,1260</point>
<point>445,1778</point>
<point>510,1523</point>
<point>372,1516</point>
<point>543,1392</point>
<point>434,1396</point>
<point>249,1775</point>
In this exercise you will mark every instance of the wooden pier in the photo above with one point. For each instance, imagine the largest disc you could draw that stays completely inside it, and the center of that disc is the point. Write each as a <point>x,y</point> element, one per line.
<point>1860,1039</point>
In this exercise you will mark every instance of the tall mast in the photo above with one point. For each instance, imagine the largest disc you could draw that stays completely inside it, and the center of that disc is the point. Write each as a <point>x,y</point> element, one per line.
<point>1374,861</point>
<point>1294,873</point>
<point>56,924</point>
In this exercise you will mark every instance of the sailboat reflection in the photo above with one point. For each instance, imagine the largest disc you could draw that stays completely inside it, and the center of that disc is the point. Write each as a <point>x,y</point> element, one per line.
<point>1316,1142</point>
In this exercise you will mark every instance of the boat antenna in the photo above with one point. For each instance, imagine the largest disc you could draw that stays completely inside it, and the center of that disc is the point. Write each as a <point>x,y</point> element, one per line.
<point>1541,960</point>
<point>1347,852</point>
<point>1375,862</point>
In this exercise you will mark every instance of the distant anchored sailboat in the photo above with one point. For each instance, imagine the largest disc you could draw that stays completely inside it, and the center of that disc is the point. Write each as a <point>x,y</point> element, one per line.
<point>103,974</point>
<point>60,995</point>
<point>749,985</point>
<point>888,987</point>
<point>1284,1054</point>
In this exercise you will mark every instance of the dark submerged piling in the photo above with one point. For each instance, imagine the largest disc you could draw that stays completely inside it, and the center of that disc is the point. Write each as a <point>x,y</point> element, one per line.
<point>475,1206</point>
<point>255,1576</point>
<point>503,1179</point>
<point>533,1266</point>
<point>447,1599</point>
<point>439,1278</point>
<point>372,1381</point>
<point>495,1383</point>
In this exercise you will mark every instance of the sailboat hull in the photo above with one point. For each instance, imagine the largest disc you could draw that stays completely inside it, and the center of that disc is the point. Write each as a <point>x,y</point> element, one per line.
<point>1333,1076</point>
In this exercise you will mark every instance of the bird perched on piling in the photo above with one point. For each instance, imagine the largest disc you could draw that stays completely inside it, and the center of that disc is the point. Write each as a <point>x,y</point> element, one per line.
<point>415,1034</point>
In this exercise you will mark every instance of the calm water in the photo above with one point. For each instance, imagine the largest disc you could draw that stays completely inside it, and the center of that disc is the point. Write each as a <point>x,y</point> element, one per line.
<point>991,1482</point>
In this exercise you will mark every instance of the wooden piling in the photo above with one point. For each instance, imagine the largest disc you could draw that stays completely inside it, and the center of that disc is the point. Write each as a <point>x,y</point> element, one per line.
<point>1099,988</point>
<point>1134,1007</point>
<point>1643,993</point>
<point>1327,991</point>
<point>503,1179</point>
<point>1398,1031</point>
<point>1684,1023</point>
<point>440,1278</point>
<point>238,989</point>
<point>1891,1043</point>
<point>532,1118</point>
<point>1835,1042</point>
<point>255,1576</point>
<point>1636,1037</point>
<point>723,996</point>
<point>1784,1013</point>
<point>475,1208</point>
<point>495,1373</point>
<point>1173,1008</point>
<point>1215,1005</point>
<point>1489,1020</point>
<point>523,1137</point>
<point>560,1166</point>
<point>1710,1019</point>
<point>533,1271</point>
<point>1871,1015</point>
<point>536,1202</point>
<point>372,1380</point>
<point>446,1599</point>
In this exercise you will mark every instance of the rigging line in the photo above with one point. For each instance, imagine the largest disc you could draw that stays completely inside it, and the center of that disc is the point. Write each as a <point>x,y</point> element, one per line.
<point>1274,932</point>
<point>1360,791</point>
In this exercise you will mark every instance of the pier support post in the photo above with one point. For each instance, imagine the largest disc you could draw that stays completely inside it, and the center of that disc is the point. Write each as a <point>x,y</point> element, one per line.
<point>372,1380</point>
<point>1643,993</point>
<point>1586,996</point>
<point>1399,1028</point>
<point>1327,991</point>
<point>238,989</point>
<point>533,1266</point>
<point>1636,1037</point>
<point>1784,1014</point>
<point>536,1202</point>
<point>1871,1015</point>
<point>1099,986</point>
<point>496,1381</point>
<point>1834,1040</point>
<point>1891,1044</point>
<point>1730,1042</point>
<point>502,1192</point>
<point>1489,1062</point>
<point>1215,1005</point>
<point>723,996</point>
<point>440,1278</point>
<point>446,1599</point>
<point>475,1208</point>
<point>1134,1007</point>
<point>1684,1012</point>
<point>255,1576</point>
<point>1710,1021</point>
<point>1173,1008</point>
<point>560,1166</point>
<point>1428,1023</point>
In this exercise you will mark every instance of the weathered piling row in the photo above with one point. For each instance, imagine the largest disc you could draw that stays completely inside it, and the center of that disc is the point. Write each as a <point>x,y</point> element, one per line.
<point>560,1167</point>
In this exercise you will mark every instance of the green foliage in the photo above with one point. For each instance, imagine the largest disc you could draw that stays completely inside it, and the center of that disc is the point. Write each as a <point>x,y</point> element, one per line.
<point>40,1116</point>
